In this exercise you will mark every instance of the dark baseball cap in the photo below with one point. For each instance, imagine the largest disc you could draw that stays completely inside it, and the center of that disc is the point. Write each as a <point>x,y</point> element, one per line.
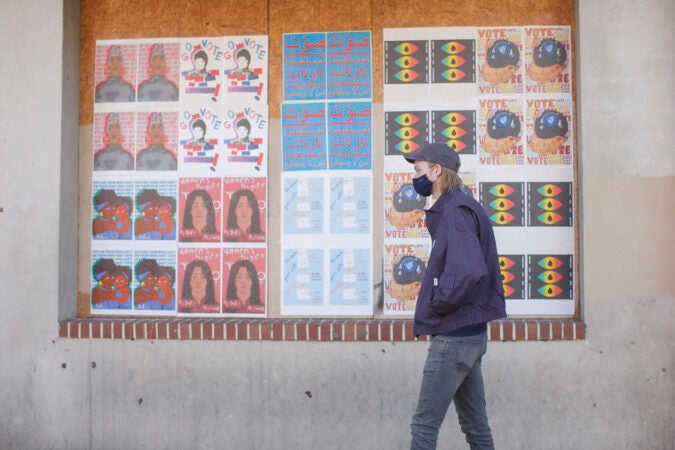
<point>435,153</point>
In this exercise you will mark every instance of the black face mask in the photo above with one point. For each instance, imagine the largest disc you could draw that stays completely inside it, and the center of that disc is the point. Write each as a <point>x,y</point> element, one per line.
<point>422,185</point>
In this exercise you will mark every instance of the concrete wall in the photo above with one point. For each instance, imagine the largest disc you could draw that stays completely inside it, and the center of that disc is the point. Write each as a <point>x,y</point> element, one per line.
<point>614,390</point>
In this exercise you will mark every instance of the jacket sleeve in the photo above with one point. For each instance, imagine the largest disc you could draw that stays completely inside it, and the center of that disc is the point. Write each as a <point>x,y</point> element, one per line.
<point>464,263</point>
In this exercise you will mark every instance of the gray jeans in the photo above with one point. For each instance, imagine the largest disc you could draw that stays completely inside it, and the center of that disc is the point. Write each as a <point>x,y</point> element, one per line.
<point>452,372</point>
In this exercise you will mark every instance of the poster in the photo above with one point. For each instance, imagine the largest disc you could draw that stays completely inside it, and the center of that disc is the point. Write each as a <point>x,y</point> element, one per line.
<point>111,281</point>
<point>348,65</point>
<point>179,173</point>
<point>155,281</point>
<point>244,281</point>
<point>303,128</point>
<point>547,53</point>
<point>349,135</point>
<point>199,280</point>
<point>500,97</point>
<point>326,233</point>
<point>245,209</point>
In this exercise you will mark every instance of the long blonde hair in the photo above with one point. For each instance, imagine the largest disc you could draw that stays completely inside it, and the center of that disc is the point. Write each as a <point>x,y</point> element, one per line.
<point>449,179</point>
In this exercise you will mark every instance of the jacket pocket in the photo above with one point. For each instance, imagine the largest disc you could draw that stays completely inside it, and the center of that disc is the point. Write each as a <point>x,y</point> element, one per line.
<point>441,302</point>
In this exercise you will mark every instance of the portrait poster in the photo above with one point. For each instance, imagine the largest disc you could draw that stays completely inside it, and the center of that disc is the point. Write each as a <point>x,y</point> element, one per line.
<point>114,141</point>
<point>245,69</point>
<point>245,140</point>
<point>201,139</point>
<point>244,281</point>
<point>200,203</point>
<point>155,212</point>
<point>180,138</point>
<point>158,71</point>
<point>155,281</point>
<point>199,280</point>
<point>112,210</point>
<point>201,69</point>
<point>245,209</point>
<point>157,140</point>
<point>115,72</point>
<point>111,281</point>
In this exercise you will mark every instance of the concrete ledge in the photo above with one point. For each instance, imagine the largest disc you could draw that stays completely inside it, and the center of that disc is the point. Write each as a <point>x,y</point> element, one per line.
<point>336,330</point>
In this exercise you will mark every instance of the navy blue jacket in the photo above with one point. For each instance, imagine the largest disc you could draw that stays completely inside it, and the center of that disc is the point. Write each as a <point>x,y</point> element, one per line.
<point>463,284</point>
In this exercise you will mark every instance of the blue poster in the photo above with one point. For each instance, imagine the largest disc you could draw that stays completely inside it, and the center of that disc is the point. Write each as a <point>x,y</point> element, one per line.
<point>349,277</point>
<point>350,135</point>
<point>349,65</point>
<point>303,132</point>
<point>303,277</point>
<point>350,205</point>
<point>303,206</point>
<point>304,67</point>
